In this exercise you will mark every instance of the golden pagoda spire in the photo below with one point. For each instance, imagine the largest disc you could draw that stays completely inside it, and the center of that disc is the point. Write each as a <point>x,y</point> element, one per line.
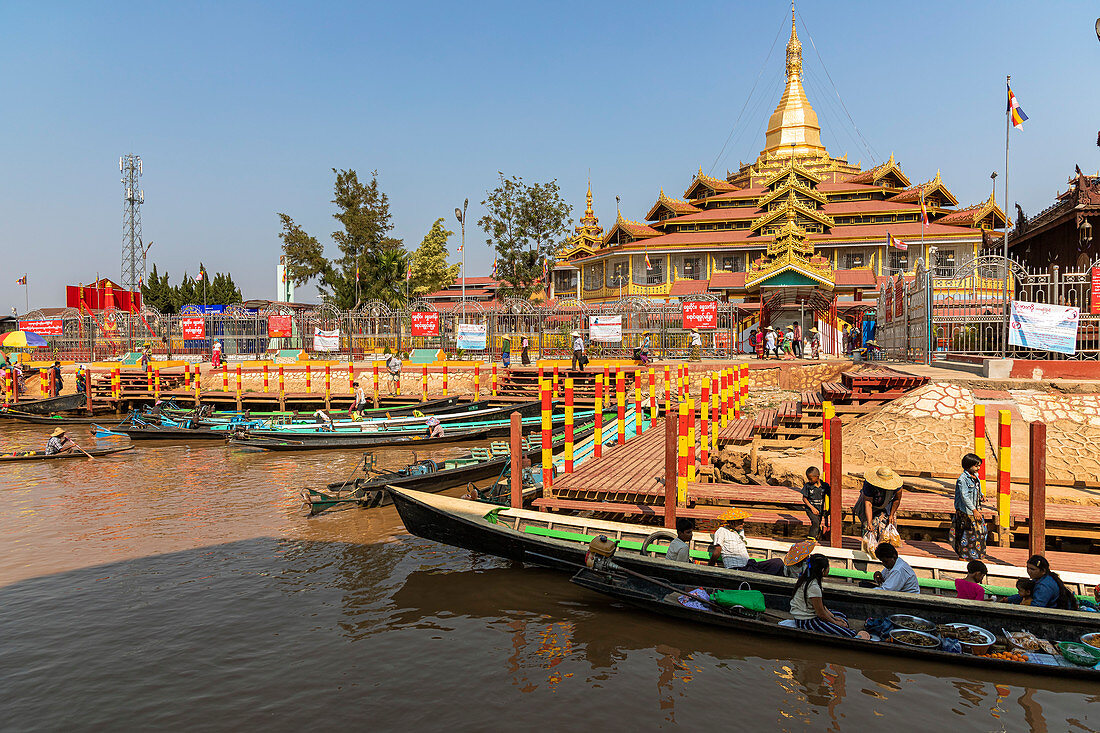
<point>793,128</point>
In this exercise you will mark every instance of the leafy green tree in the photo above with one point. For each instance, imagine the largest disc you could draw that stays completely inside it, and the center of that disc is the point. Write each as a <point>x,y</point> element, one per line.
<point>157,293</point>
<point>428,263</point>
<point>363,211</point>
<point>526,224</point>
<point>388,283</point>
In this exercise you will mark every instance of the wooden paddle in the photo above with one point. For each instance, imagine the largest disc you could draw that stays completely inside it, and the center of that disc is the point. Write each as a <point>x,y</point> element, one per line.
<point>81,449</point>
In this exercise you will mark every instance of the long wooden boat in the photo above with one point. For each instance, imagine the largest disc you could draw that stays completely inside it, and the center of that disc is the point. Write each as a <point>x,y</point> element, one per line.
<point>51,405</point>
<point>560,541</point>
<point>775,621</point>
<point>95,452</point>
<point>161,432</point>
<point>24,417</point>
<point>322,441</point>
<point>469,418</point>
<point>443,404</point>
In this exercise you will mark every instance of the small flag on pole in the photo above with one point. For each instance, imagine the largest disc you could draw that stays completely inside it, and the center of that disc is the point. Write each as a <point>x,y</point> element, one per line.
<point>923,210</point>
<point>357,273</point>
<point>896,243</point>
<point>545,269</point>
<point>201,275</point>
<point>21,281</point>
<point>408,272</point>
<point>494,268</point>
<point>648,265</point>
<point>1015,111</point>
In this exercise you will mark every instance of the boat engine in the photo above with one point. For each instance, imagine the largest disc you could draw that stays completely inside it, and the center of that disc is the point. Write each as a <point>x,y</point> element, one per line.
<point>600,552</point>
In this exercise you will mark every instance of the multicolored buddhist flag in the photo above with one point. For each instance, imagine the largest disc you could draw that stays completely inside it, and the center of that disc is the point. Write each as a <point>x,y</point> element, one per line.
<point>21,281</point>
<point>923,210</point>
<point>1015,111</point>
<point>494,268</point>
<point>895,242</point>
<point>648,265</point>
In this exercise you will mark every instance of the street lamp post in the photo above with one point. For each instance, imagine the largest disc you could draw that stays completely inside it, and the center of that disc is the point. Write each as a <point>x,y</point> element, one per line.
<point>461,216</point>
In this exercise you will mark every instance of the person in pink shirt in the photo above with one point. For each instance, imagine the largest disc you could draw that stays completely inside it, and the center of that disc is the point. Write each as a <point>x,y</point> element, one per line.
<point>970,587</point>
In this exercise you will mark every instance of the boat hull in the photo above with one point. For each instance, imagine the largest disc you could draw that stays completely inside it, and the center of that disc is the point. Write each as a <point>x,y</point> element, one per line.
<point>95,452</point>
<point>336,441</point>
<point>50,405</point>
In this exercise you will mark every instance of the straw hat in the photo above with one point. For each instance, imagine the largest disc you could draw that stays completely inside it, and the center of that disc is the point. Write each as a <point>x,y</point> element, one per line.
<point>575,334</point>
<point>799,552</point>
<point>695,330</point>
<point>732,515</point>
<point>769,328</point>
<point>813,329</point>
<point>57,432</point>
<point>883,477</point>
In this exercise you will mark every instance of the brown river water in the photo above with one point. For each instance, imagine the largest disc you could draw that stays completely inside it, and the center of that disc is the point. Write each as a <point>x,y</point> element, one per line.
<point>181,587</point>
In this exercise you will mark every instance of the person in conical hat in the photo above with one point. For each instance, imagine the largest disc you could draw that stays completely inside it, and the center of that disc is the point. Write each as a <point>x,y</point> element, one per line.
<point>794,562</point>
<point>59,443</point>
<point>731,550</point>
<point>878,503</point>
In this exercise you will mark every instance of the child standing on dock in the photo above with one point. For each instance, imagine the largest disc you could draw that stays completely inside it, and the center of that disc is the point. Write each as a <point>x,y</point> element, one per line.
<point>815,497</point>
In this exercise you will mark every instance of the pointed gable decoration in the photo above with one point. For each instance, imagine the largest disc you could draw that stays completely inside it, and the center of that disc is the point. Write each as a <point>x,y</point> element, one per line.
<point>792,208</point>
<point>790,261</point>
<point>886,174</point>
<point>936,194</point>
<point>792,184</point>
<point>703,185</point>
<point>792,168</point>
<point>986,215</point>
<point>666,207</point>
<point>626,231</point>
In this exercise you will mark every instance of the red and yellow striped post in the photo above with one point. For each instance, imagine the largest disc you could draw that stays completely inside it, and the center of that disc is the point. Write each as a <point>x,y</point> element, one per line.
<point>556,385</point>
<point>196,382</point>
<point>238,381</point>
<point>691,439</point>
<point>187,376</point>
<point>744,384</point>
<point>704,422</point>
<point>44,382</point>
<point>827,414</point>
<point>309,378</point>
<point>424,383</point>
<point>569,425</point>
<point>477,381</point>
<point>637,402</point>
<point>328,383</point>
<point>682,455</point>
<point>547,455</point>
<point>620,404</point>
<point>351,379</point>
<point>225,377</point>
<point>9,386</point>
<point>494,380</point>
<point>156,383</point>
<point>979,442</point>
<point>444,380</point>
<point>266,387</point>
<point>1004,477</point>
<point>652,395</point>
<point>148,379</point>
<point>597,445</point>
<point>715,410</point>
<point>723,396</point>
<point>282,383</point>
<point>668,390</point>
<point>374,375</point>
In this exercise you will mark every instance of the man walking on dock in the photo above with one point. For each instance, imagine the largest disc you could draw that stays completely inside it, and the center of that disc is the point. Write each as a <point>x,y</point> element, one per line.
<point>579,358</point>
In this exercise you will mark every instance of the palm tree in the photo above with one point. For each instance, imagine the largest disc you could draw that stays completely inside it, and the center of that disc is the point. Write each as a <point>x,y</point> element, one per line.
<point>388,269</point>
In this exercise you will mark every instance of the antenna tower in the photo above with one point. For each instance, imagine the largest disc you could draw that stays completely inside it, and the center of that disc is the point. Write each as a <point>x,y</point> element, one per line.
<point>133,263</point>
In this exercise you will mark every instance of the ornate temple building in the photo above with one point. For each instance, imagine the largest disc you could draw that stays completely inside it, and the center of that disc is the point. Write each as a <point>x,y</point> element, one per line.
<point>795,225</point>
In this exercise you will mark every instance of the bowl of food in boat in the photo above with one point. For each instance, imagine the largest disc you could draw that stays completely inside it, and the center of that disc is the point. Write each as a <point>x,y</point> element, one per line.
<point>1079,654</point>
<point>913,623</point>
<point>919,639</point>
<point>973,639</point>
<point>1091,640</point>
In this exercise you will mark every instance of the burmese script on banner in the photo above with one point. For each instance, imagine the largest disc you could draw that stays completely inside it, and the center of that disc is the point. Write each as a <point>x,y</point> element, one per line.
<point>425,323</point>
<point>701,314</point>
<point>326,340</point>
<point>193,327</point>
<point>605,329</point>
<point>1044,326</point>
<point>50,327</point>
<point>279,327</point>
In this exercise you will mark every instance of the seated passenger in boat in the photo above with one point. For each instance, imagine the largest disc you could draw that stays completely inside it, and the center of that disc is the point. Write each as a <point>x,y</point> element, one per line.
<point>59,443</point>
<point>731,550</point>
<point>435,428</point>
<point>808,604</point>
<point>1050,591</point>
<point>794,562</point>
<point>324,417</point>
<point>679,550</point>
<point>896,574</point>
<point>969,587</point>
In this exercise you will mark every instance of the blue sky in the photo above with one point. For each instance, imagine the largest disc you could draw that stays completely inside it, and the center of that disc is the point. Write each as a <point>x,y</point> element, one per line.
<point>240,110</point>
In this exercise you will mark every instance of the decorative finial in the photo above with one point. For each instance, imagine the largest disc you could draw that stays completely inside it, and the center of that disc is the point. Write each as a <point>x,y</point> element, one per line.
<point>794,50</point>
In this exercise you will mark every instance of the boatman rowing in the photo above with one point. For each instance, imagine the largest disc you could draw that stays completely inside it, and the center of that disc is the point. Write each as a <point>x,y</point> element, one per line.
<point>59,442</point>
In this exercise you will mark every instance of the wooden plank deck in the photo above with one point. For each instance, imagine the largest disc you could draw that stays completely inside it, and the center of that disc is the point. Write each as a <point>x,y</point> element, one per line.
<point>630,466</point>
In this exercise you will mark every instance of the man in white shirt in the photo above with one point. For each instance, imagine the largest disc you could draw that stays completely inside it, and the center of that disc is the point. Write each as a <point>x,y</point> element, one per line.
<point>731,550</point>
<point>896,574</point>
<point>579,358</point>
<point>679,550</point>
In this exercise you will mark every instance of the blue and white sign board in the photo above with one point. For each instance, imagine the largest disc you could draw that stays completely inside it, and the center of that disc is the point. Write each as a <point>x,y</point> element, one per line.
<point>471,336</point>
<point>605,329</point>
<point>1043,326</point>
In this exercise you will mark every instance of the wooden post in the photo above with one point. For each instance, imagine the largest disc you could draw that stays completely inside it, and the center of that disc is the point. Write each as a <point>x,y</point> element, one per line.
<point>979,442</point>
<point>225,378</point>
<point>351,379</point>
<point>827,414</point>
<point>444,380</point>
<point>723,397</point>
<point>239,405</point>
<point>836,482</point>
<point>494,380</point>
<point>735,393</point>
<point>652,395</point>
<point>267,390</point>
<point>44,383</point>
<point>704,423</point>
<point>309,378</point>
<point>156,383</point>
<point>637,402</point>
<point>424,383</point>
<point>52,386</point>
<point>556,387</point>
<point>597,445</point>
<point>672,481</point>
<point>620,404</point>
<point>187,376</point>
<point>328,386</point>
<point>374,369</point>
<point>196,382</point>
<point>569,425</point>
<point>1004,478</point>
<point>1037,489</point>
<point>691,439</point>
<point>148,379</point>
<point>517,455</point>
<point>715,409</point>
<point>477,382</point>
<point>547,456</point>
<point>744,384</point>
<point>682,454</point>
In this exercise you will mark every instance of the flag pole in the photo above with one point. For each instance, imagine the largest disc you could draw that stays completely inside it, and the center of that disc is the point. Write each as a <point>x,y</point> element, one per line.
<point>26,293</point>
<point>1004,279</point>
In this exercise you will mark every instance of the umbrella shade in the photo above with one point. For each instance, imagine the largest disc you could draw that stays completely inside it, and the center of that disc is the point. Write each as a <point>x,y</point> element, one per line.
<point>22,340</point>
